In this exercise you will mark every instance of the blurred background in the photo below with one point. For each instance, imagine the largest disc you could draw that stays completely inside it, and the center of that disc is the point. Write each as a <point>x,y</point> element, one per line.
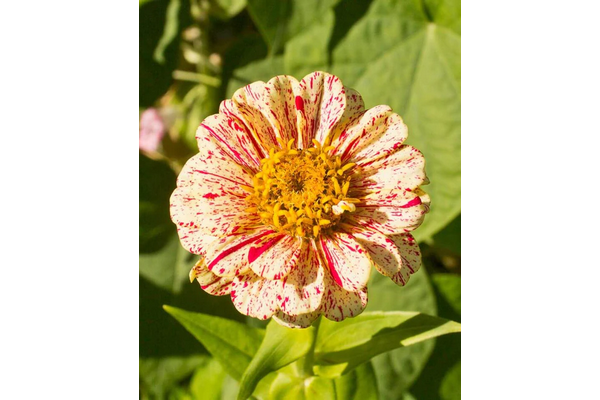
<point>194,54</point>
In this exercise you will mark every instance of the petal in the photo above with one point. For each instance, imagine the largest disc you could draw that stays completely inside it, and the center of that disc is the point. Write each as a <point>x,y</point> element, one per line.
<point>303,287</point>
<point>281,105</point>
<point>214,214</point>
<point>209,282</point>
<point>250,103</point>
<point>297,321</point>
<point>377,133</point>
<point>355,107</point>
<point>273,256</point>
<point>209,199</point>
<point>229,109</point>
<point>232,138</point>
<point>212,170</point>
<point>347,261</point>
<point>390,217</point>
<point>321,101</point>
<point>228,256</point>
<point>397,262</point>
<point>255,296</point>
<point>403,170</point>
<point>411,257</point>
<point>338,303</point>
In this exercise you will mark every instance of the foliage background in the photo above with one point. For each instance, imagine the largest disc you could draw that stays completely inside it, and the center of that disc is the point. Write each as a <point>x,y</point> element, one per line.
<point>195,53</point>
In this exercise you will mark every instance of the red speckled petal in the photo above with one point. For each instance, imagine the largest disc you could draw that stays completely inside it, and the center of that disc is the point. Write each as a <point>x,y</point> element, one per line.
<point>403,170</point>
<point>392,217</point>
<point>231,137</point>
<point>229,109</point>
<point>209,282</point>
<point>303,287</point>
<point>321,100</point>
<point>297,321</point>
<point>347,261</point>
<point>273,256</point>
<point>355,107</point>
<point>251,105</point>
<point>377,133</point>
<point>209,199</point>
<point>228,256</point>
<point>338,303</point>
<point>280,93</point>
<point>255,296</point>
<point>411,257</point>
<point>396,262</point>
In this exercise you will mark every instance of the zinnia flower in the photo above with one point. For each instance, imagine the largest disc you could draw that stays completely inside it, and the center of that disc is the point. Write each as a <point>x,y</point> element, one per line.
<point>296,192</point>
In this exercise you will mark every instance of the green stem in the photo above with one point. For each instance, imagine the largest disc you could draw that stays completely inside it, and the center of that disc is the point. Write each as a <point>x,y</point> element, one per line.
<point>197,78</point>
<point>304,366</point>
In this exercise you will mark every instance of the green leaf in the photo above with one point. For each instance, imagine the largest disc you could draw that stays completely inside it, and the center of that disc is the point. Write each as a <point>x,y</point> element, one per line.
<point>440,378</point>
<point>280,347</point>
<point>287,387</point>
<point>170,32</point>
<point>408,57</point>
<point>157,182</point>
<point>347,344</point>
<point>262,70</point>
<point>232,343</point>
<point>168,268</point>
<point>160,23</point>
<point>450,388</point>
<point>448,288</point>
<point>159,375</point>
<point>397,369</point>
<point>358,384</point>
<point>279,21</point>
<point>449,237</point>
<point>207,382</point>
<point>226,9</point>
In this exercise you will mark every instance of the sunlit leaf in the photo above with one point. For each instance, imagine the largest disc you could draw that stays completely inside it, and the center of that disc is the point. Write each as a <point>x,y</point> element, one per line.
<point>207,382</point>
<point>358,384</point>
<point>342,346</point>
<point>397,369</point>
<point>232,343</point>
<point>405,55</point>
<point>287,387</point>
<point>280,347</point>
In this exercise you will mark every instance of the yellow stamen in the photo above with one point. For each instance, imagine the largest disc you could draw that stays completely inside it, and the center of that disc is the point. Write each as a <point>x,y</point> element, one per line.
<point>300,192</point>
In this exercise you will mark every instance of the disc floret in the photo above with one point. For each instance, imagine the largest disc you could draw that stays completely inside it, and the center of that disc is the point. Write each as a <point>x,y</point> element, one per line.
<point>302,192</point>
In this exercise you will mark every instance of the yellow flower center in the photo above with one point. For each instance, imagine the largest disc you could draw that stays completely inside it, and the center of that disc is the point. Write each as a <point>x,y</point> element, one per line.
<point>301,191</point>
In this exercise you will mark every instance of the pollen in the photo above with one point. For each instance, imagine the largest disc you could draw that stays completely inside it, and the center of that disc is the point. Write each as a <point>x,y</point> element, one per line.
<point>301,192</point>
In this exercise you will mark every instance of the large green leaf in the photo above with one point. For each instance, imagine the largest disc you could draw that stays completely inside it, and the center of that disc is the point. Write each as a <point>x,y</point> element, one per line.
<point>280,347</point>
<point>262,70</point>
<point>342,346</point>
<point>397,369</point>
<point>406,55</point>
<point>288,387</point>
<point>359,384</point>
<point>279,21</point>
<point>232,343</point>
<point>440,379</point>
<point>159,375</point>
<point>207,382</point>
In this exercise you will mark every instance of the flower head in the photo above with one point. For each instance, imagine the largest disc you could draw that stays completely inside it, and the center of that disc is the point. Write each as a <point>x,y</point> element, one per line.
<point>295,193</point>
